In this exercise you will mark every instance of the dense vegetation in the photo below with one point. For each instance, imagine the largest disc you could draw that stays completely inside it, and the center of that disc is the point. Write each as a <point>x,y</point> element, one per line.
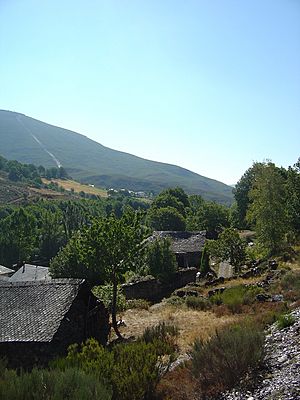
<point>29,173</point>
<point>127,371</point>
<point>102,240</point>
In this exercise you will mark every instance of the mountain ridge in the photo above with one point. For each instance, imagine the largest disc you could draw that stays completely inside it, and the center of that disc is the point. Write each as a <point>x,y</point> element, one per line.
<point>22,138</point>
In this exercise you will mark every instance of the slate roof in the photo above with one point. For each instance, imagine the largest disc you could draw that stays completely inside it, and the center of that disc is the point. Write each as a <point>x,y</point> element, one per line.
<point>33,311</point>
<point>30,272</point>
<point>182,242</point>
<point>5,270</point>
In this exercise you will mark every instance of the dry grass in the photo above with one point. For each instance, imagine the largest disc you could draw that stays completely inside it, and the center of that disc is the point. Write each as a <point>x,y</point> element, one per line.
<point>191,323</point>
<point>46,192</point>
<point>78,187</point>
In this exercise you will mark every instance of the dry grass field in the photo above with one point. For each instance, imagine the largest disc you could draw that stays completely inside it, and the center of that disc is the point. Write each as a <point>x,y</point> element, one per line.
<point>78,187</point>
<point>191,323</point>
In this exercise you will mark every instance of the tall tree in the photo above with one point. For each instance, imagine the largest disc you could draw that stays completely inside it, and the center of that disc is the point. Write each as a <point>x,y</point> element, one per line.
<point>267,210</point>
<point>103,253</point>
<point>18,238</point>
<point>229,246</point>
<point>165,219</point>
<point>293,200</point>
<point>241,194</point>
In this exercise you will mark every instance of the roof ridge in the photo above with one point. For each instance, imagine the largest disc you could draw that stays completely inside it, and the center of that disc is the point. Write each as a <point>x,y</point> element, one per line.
<point>54,281</point>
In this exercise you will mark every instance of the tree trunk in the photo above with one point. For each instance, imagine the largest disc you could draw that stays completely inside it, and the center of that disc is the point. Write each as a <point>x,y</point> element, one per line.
<point>114,309</point>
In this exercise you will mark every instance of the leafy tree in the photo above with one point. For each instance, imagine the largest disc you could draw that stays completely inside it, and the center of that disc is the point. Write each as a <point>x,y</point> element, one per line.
<point>166,200</point>
<point>165,219</point>
<point>161,260</point>
<point>74,216</point>
<point>293,199</point>
<point>18,237</point>
<point>206,215</point>
<point>229,246</point>
<point>241,194</point>
<point>51,233</point>
<point>68,263</point>
<point>103,252</point>
<point>268,208</point>
<point>179,194</point>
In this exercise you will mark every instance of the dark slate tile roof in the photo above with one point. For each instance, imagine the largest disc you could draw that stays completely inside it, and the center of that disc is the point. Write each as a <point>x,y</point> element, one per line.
<point>182,242</point>
<point>33,311</point>
<point>30,272</point>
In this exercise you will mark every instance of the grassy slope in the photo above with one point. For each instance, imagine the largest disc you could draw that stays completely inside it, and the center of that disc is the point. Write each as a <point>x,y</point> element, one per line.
<point>93,163</point>
<point>78,187</point>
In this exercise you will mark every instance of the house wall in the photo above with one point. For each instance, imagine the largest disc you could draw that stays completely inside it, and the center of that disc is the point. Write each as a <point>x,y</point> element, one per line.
<point>153,290</point>
<point>189,260</point>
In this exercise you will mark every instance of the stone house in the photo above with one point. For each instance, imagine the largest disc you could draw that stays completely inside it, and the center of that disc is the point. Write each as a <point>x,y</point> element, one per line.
<point>187,246</point>
<point>39,320</point>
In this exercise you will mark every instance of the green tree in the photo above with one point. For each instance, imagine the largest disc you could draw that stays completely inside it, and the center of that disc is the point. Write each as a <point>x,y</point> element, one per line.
<point>104,251</point>
<point>229,246</point>
<point>241,194</point>
<point>267,210</point>
<point>18,238</point>
<point>161,260</point>
<point>206,215</point>
<point>166,200</point>
<point>165,219</point>
<point>293,200</point>
<point>178,193</point>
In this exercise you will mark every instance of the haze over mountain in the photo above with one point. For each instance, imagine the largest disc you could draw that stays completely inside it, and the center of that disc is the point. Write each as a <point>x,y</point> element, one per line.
<point>31,141</point>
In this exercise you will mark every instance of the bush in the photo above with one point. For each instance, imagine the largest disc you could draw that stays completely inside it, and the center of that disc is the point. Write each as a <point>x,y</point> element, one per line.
<point>162,333</point>
<point>285,320</point>
<point>175,301</point>
<point>235,297</point>
<point>131,370</point>
<point>138,303</point>
<point>220,363</point>
<point>41,384</point>
<point>290,285</point>
<point>197,303</point>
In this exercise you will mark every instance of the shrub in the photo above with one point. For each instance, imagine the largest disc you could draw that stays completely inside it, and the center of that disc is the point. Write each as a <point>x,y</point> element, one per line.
<point>235,297</point>
<point>290,285</point>
<point>136,371</point>
<point>163,333</point>
<point>138,303</point>
<point>197,303</point>
<point>131,370</point>
<point>285,320</point>
<point>41,384</point>
<point>175,300</point>
<point>265,314</point>
<point>219,363</point>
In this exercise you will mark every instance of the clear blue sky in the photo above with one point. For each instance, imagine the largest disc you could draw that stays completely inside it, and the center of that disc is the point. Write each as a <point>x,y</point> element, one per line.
<point>210,85</point>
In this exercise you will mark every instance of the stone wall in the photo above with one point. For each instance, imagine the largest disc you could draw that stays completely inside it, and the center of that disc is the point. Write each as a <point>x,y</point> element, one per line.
<point>154,290</point>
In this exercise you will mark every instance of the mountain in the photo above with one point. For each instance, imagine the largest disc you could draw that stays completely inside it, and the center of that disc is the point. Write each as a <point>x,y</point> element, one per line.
<point>31,141</point>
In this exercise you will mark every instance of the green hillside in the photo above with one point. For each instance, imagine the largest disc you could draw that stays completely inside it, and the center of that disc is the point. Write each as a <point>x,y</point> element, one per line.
<point>31,141</point>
